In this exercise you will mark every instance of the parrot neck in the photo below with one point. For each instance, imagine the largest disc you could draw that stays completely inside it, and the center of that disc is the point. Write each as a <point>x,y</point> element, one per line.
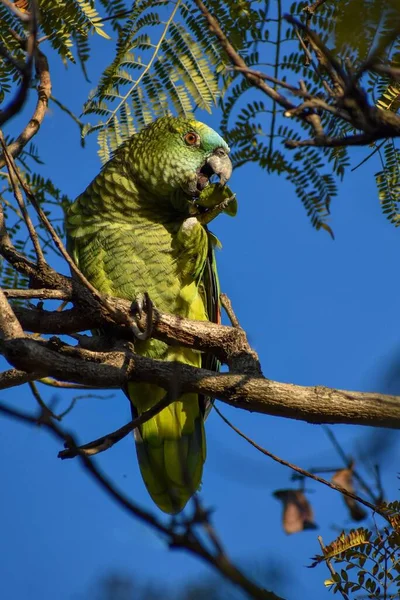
<point>124,193</point>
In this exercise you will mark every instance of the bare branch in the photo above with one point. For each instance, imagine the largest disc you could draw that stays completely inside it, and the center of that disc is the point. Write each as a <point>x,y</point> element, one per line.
<point>312,8</point>
<point>64,385</point>
<point>301,471</point>
<point>238,62</point>
<point>324,56</point>
<point>386,70</point>
<point>9,324</point>
<point>41,294</point>
<point>228,344</point>
<point>13,174</point>
<point>14,377</point>
<point>241,390</point>
<point>246,389</point>
<point>226,303</point>
<point>22,93</point>
<point>361,139</point>
<point>345,101</point>
<point>107,441</point>
<point>44,93</point>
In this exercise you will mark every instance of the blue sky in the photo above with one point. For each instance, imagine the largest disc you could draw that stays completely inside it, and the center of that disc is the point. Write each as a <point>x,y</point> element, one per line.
<point>318,312</point>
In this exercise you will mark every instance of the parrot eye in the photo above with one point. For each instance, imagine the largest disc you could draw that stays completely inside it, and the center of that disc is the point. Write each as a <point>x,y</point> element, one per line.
<point>192,139</point>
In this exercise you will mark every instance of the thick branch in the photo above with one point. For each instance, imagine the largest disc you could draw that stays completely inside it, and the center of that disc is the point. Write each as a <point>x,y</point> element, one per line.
<point>257,394</point>
<point>229,344</point>
<point>9,325</point>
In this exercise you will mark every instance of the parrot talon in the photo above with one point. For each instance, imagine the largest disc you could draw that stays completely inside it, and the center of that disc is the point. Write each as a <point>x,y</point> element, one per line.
<point>138,305</point>
<point>142,306</point>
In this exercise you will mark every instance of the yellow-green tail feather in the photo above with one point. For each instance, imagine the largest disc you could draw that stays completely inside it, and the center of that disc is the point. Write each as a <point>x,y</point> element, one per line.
<point>171,447</point>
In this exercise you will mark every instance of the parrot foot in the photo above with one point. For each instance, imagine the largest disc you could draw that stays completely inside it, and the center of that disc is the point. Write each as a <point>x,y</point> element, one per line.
<point>206,217</point>
<point>142,306</point>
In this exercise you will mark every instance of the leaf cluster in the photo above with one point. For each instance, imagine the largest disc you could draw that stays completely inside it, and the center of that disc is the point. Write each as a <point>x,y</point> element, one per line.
<point>165,62</point>
<point>369,562</point>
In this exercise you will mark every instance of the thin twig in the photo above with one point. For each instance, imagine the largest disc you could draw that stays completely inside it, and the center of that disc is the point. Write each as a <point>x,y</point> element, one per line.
<point>65,385</point>
<point>364,160</point>
<point>362,139</point>
<point>296,91</point>
<point>386,70</point>
<point>45,409</point>
<point>276,71</point>
<point>13,174</point>
<point>120,15</point>
<point>110,439</point>
<point>35,121</point>
<point>226,303</point>
<point>326,58</point>
<point>303,472</point>
<point>22,93</point>
<point>69,408</point>
<point>349,462</point>
<point>41,294</point>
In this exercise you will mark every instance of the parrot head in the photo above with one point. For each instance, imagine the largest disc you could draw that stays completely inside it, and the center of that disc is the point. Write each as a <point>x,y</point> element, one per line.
<point>174,153</point>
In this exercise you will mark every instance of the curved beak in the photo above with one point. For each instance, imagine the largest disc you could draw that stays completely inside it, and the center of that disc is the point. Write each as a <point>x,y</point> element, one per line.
<point>221,165</point>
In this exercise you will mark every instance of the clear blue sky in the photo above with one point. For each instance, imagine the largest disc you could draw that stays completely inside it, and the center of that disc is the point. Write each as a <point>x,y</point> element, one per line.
<point>317,311</point>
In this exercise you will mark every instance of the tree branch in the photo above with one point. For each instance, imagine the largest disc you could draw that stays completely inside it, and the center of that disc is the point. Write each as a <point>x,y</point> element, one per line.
<point>237,61</point>
<point>316,404</point>
<point>107,441</point>
<point>244,387</point>
<point>21,95</point>
<point>13,175</point>
<point>44,93</point>
<point>14,377</point>
<point>346,100</point>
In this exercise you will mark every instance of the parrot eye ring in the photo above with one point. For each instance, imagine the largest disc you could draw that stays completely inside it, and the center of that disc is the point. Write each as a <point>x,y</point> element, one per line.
<point>192,139</point>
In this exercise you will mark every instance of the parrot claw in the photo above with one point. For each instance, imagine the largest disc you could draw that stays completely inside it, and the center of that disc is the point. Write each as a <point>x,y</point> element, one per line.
<point>208,216</point>
<point>142,306</point>
<point>139,305</point>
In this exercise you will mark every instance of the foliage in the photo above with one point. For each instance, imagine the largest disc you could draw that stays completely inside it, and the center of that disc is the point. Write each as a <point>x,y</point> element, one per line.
<point>388,181</point>
<point>371,560</point>
<point>50,198</point>
<point>164,60</point>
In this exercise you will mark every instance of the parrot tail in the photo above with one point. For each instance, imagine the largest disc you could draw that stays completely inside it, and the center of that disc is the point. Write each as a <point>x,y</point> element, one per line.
<point>171,447</point>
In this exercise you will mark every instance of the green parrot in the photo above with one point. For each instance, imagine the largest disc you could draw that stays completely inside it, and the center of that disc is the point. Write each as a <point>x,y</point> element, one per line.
<point>141,226</point>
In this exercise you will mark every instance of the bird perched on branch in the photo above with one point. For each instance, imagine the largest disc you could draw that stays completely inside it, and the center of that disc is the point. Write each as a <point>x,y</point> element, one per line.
<point>141,226</point>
